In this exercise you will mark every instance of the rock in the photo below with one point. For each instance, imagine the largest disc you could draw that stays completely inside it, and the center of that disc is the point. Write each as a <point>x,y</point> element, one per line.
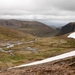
<point>70,27</point>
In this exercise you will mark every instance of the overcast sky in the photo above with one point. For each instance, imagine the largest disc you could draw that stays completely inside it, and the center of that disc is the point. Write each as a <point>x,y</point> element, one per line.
<point>51,12</point>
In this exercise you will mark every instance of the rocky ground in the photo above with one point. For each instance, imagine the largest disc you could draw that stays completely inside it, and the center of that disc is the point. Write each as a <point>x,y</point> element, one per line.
<point>60,67</point>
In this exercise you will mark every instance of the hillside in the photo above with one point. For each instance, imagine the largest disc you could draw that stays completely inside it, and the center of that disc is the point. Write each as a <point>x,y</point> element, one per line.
<point>25,50</point>
<point>33,27</point>
<point>68,28</point>
<point>18,47</point>
<point>32,50</point>
<point>9,33</point>
<point>65,67</point>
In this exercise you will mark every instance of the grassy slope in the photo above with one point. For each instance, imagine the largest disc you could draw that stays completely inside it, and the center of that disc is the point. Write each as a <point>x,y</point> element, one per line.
<point>47,47</point>
<point>40,31</point>
<point>10,34</point>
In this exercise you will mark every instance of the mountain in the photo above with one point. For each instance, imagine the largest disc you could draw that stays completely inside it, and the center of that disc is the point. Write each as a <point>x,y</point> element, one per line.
<point>58,28</point>
<point>33,27</point>
<point>70,27</point>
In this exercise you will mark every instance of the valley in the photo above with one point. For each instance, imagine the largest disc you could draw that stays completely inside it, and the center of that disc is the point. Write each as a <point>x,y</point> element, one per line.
<point>37,37</point>
<point>20,46</point>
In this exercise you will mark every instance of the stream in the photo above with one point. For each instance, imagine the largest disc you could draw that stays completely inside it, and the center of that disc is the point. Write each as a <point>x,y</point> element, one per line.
<point>19,43</point>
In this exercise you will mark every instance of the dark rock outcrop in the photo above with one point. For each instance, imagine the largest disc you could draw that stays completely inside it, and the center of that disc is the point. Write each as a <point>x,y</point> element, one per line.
<point>70,27</point>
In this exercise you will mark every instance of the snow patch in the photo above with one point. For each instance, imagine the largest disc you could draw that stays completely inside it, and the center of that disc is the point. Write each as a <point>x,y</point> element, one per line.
<point>65,55</point>
<point>11,45</point>
<point>72,35</point>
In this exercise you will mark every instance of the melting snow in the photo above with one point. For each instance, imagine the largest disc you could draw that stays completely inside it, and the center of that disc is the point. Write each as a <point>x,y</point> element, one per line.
<point>65,55</point>
<point>33,49</point>
<point>72,35</point>
<point>11,45</point>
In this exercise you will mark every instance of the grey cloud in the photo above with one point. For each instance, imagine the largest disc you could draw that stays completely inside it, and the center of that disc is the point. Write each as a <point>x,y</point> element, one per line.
<point>65,5</point>
<point>47,11</point>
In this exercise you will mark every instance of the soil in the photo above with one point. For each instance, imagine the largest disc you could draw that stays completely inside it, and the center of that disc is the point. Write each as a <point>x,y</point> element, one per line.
<point>60,67</point>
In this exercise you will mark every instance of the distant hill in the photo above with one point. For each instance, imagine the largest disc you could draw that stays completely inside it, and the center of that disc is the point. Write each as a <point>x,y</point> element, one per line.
<point>33,27</point>
<point>70,27</point>
<point>58,28</point>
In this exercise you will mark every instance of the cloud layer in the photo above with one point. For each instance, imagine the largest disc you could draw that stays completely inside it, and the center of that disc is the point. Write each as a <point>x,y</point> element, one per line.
<point>55,12</point>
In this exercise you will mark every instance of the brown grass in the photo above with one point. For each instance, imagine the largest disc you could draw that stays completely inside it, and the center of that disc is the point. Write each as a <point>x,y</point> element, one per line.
<point>47,47</point>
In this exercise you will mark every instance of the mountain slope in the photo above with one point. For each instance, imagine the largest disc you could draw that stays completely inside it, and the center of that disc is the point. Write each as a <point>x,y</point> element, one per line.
<point>65,67</point>
<point>32,27</point>
<point>62,56</point>
<point>11,33</point>
<point>70,27</point>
